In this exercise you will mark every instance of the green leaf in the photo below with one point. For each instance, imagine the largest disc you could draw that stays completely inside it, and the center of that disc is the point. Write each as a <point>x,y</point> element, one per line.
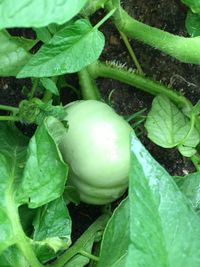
<point>12,158</point>
<point>168,127</point>
<point>43,34</point>
<point>52,229</point>
<point>13,53</point>
<point>186,151</point>
<point>64,53</point>
<point>50,85</point>
<point>45,172</point>
<point>192,24</point>
<point>193,4</point>
<point>190,186</point>
<point>164,229</point>
<point>12,257</point>
<point>116,238</point>
<point>37,13</point>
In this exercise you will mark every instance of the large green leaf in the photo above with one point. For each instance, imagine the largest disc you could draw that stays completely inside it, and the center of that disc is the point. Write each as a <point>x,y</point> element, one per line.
<point>37,13</point>
<point>70,50</point>
<point>168,127</point>
<point>193,4</point>
<point>15,169</point>
<point>12,158</point>
<point>164,229</point>
<point>116,238</point>
<point>52,229</point>
<point>190,186</point>
<point>193,24</point>
<point>13,53</point>
<point>45,173</point>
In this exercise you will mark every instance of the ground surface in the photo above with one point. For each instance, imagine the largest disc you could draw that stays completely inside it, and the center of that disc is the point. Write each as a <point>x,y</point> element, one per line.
<point>167,15</point>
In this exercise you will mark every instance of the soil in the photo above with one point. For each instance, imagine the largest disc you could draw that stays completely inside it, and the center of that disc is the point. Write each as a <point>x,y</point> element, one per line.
<point>185,78</point>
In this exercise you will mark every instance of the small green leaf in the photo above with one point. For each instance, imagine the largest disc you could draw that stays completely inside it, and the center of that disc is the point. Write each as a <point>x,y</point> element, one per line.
<point>37,13</point>
<point>64,53</point>
<point>186,151</point>
<point>193,24</point>
<point>190,186</point>
<point>13,53</point>
<point>52,229</point>
<point>116,238</point>
<point>168,127</point>
<point>45,173</point>
<point>164,229</point>
<point>50,85</point>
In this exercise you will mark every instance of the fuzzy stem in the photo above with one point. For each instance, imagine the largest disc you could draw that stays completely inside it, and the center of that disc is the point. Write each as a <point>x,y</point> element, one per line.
<point>9,108</point>
<point>107,71</point>
<point>182,48</point>
<point>89,89</point>
<point>89,234</point>
<point>99,69</point>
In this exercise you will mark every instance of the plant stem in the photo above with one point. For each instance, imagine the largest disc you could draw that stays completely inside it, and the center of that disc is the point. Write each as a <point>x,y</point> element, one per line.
<point>88,255</point>
<point>113,72</point>
<point>80,244</point>
<point>9,108</point>
<point>131,52</point>
<point>92,6</point>
<point>103,20</point>
<point>184,49</point>
<point>9,118</point>
<point>89,89</point>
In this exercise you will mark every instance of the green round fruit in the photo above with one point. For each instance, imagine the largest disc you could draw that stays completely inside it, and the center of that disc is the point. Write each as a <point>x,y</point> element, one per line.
<point>97,149</point>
